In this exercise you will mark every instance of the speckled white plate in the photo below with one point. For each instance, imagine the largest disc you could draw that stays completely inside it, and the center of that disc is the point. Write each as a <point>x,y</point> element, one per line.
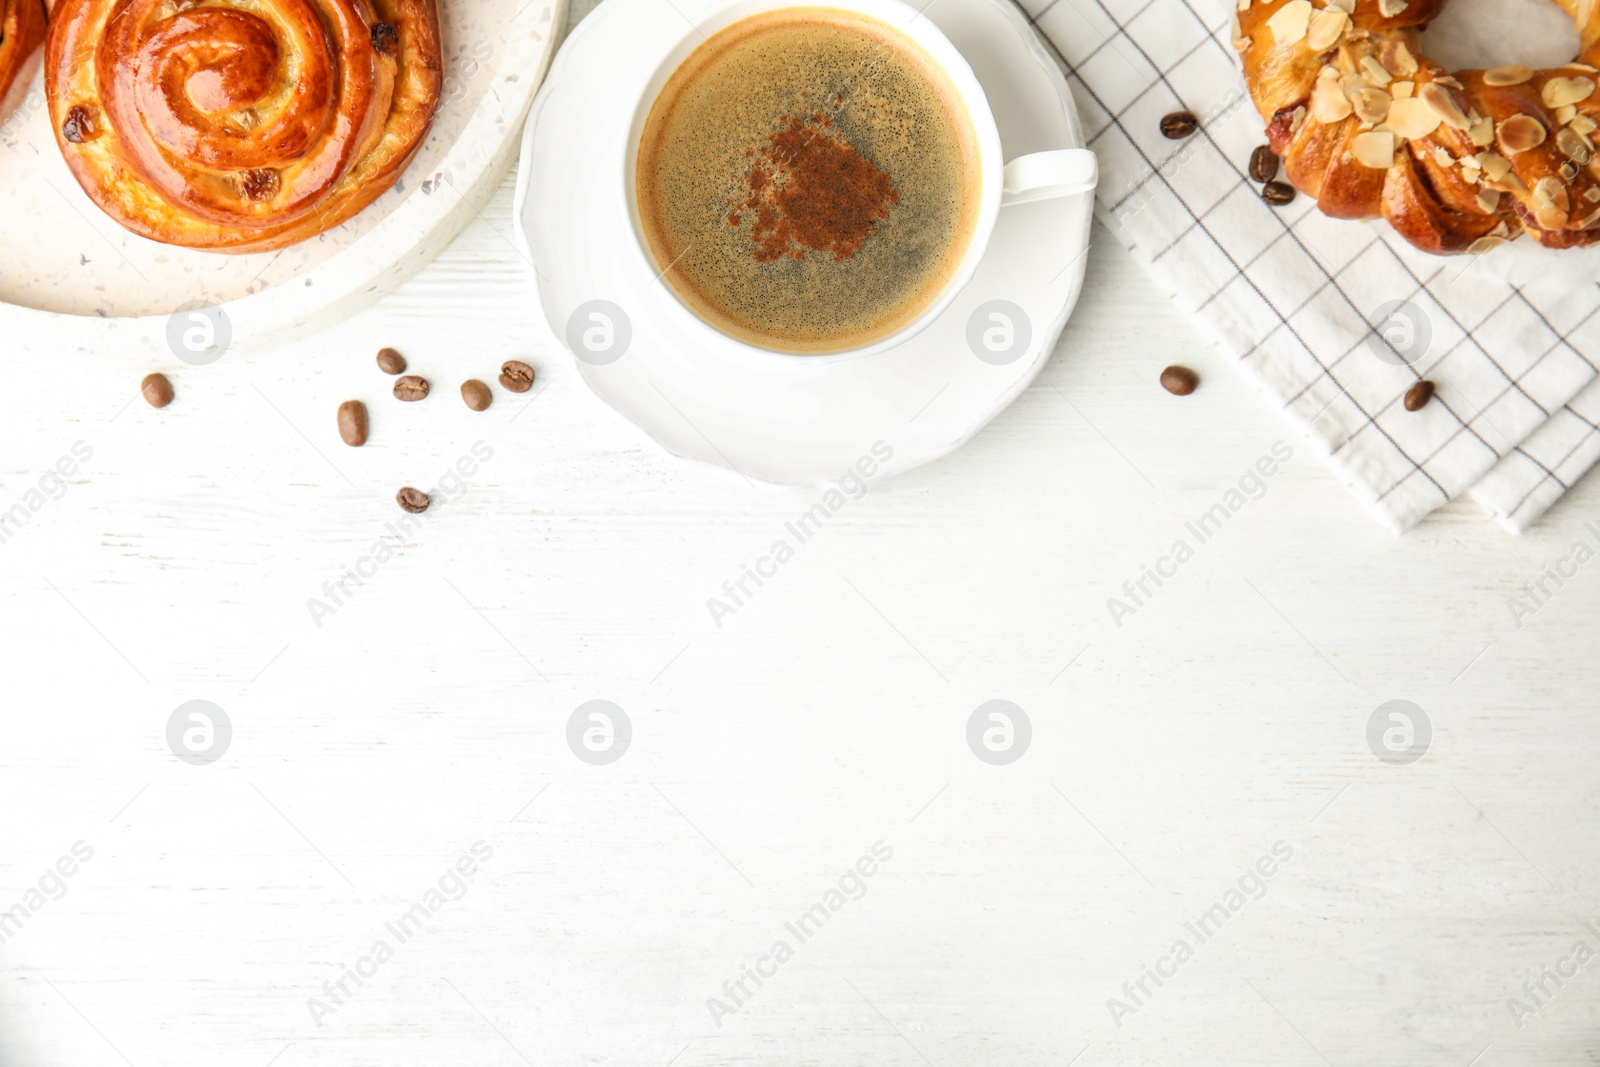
<point>71,279</point>
<point>785,420</point>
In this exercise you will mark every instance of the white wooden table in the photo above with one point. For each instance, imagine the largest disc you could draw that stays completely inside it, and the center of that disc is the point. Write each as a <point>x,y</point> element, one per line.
<point>429,712</point>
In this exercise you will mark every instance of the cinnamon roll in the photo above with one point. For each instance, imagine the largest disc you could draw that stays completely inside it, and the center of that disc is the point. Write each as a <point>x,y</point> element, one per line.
<point>21,33</point>
<point>240,125</point>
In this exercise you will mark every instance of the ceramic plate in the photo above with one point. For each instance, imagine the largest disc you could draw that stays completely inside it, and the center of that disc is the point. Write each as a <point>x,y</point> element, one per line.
<point>70,278</point>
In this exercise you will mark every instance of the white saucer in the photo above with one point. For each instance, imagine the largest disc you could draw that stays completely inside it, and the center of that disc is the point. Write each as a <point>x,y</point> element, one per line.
<point>769,418</point>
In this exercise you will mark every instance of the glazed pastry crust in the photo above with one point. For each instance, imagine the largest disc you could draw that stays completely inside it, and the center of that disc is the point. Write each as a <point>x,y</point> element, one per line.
<point>240,128</point>
<point>1455,162</point>
<point>22,31</point>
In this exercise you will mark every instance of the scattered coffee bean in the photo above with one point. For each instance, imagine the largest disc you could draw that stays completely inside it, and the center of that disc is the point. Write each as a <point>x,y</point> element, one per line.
<point>1264,164</point>
<point>516,376</point>
<point>353,423</point>
<point>157,390</point>
<point>1179,381</point>
<point>412,500</point>
<point>1418,395</point>
<point>410,387</point>
<point>1277,193</point>
<point>1179,124</point>
<point>476,394</point>
<point>391,362</point>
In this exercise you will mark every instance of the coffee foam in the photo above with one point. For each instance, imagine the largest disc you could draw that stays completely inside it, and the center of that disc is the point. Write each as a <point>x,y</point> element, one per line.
<point>876,90</point>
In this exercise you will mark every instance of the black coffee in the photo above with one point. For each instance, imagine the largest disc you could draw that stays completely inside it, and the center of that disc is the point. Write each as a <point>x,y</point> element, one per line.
<point>808,180</point>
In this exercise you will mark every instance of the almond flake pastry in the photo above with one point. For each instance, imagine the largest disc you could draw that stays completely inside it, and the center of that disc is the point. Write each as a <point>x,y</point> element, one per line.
<point>1369,126</point>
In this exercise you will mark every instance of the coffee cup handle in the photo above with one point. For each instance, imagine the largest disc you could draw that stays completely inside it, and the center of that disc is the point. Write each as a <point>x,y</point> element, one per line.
<point>1047,175</point>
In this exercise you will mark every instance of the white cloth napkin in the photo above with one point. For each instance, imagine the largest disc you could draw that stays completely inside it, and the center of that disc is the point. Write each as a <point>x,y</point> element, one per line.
<point>1305,302</point>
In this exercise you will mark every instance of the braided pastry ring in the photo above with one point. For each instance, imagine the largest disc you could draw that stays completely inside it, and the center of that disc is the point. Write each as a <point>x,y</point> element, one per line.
<point>21,33</point>
<point>240,126</point>
<point>1370,126</point>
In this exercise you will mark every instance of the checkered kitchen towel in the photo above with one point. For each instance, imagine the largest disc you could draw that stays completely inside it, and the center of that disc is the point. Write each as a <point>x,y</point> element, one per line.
<point>1307,302</point>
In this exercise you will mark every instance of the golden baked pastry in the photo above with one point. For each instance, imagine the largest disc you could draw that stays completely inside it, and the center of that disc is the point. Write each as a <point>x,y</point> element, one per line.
<point>240,125</point>
<point>21,34</point>
<point>1456,162</point>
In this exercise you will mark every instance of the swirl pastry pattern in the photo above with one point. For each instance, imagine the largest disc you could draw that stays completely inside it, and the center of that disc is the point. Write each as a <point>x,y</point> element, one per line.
<point>21,33</point>
<point>1456,162</point>
<point>240,125</point>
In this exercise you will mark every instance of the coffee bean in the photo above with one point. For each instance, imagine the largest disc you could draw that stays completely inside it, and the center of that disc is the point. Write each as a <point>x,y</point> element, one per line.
<point>476,394</point>
<point>411,387</point>
<point>353,423</point>
<point>1179,381</point>
<point>1264,164</point>
<point>1418,395</point>
<point>1179,124</point>
<point>391,362</point>
<point>157,390</point>
<point>516,376</point>
<point>413,500</point>
<point>1277,193</point>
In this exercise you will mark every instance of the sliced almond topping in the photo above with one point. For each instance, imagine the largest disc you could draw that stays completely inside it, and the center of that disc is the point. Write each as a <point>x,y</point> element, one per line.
<point>1372,105</point>
<point>1242,44</point>
<point>1549,204</point>
<point>1511,75</point>
<point>1375,150</point>
<point>1565,114</point>
<point>1583,124</point>
<point>1411,118</point>
<point>1501,230</point>
<point>1585,7</point>
<point>1328,102</point>
<point>1243,5</point>
<point>1442,156</point>
<point>1438,98</point>
<point>1558,92</point>
<point>1481,132</point>
<point>1580,17</point>
<point>1240,41</point>
<point>1590,220</point>
<point>1520,133</point>
<point>1573,146</point>
<point>1495,166</point>
<point>1448,79</point>
<point>1489,201</point>
<point>1569,170</point>
<point>1390,8</point>
<point>1374,71</point>
<point>1515,184</point>
<point>1401,90</point>
<point>1347,6</point>
<point>1297,119</point>
<point>1592,194</point>
<point>1485,244</point>
<point>1398,59</point>
<point>1327,26</point>
<point>1289,23</point>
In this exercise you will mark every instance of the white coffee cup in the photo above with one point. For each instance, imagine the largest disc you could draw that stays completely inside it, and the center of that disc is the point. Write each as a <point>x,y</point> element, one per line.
<point>1037,176</point>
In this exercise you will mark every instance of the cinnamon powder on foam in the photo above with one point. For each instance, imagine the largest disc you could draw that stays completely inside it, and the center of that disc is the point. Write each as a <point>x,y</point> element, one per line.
<point>811,191</point>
